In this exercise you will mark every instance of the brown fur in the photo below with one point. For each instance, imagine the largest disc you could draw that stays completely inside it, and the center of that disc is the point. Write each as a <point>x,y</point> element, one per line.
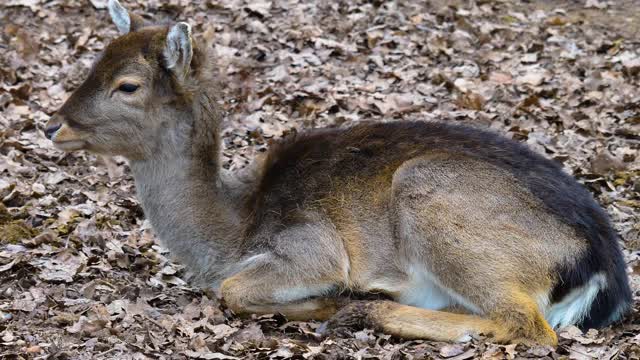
<point>429,214</point>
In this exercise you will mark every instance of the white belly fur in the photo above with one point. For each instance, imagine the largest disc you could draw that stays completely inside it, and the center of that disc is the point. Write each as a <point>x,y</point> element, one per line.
<point>423,290</point>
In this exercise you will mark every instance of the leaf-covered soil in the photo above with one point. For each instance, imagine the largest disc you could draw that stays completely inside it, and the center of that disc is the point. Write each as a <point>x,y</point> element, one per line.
<point>81,273</point>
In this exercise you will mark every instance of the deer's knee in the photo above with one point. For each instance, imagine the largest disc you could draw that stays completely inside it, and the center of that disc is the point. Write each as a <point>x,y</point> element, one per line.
<point>236,294</point>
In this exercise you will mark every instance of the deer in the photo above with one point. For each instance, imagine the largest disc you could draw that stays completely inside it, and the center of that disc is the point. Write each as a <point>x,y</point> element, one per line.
<point>458,231</point>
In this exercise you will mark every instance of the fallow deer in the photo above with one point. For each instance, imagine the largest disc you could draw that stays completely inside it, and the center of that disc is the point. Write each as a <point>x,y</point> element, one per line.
<point>465,231</point>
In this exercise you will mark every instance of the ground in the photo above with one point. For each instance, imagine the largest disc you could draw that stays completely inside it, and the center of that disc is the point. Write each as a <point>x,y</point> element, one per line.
<point>81,273</point>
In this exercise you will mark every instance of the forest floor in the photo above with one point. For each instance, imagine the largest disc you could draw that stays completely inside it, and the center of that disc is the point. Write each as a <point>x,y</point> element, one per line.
<point>81,274</point>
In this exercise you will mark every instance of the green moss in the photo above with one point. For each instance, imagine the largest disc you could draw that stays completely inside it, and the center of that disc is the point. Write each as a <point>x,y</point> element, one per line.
<point>64,229</point>
<point>15,231</point>
<point>105,222</point>
<point>510,19</point>
<point>5,216</point>
<point>622,177</point>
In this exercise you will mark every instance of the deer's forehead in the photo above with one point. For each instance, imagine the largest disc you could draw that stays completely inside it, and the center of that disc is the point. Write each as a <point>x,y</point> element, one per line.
<point>107,69</point>
<point>134,52</point>
<point>146,40</point>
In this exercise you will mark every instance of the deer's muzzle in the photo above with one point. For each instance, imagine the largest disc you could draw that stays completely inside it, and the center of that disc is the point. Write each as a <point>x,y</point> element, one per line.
<point>62,135</point>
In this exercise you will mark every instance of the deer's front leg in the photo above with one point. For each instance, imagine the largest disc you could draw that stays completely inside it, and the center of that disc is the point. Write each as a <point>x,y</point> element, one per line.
<point>268,294</point>
<point>303,266</point>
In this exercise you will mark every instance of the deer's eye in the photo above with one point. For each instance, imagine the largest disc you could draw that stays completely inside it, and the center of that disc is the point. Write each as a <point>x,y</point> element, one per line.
<point>128,88</point>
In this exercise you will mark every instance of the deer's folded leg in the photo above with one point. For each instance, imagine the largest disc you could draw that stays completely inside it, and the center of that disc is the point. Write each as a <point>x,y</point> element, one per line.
<point>295,276</point>
<point>523,325</point>
<point>260,292</point>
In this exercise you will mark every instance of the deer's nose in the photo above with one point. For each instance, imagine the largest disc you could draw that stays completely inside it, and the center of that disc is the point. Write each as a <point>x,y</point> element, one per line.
<point>51,129</point>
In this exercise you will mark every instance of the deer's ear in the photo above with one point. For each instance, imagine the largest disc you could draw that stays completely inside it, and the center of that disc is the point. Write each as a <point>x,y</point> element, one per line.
<point>125,21</point>
<point>178,50</point>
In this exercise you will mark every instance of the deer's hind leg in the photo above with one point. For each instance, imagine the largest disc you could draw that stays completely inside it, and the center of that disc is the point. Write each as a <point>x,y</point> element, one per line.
<point>410,322</point>
<point>470,229</point>
<point>302,266</point>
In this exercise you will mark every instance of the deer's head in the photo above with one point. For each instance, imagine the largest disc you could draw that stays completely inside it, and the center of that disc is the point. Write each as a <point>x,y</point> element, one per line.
<point>137,90</point>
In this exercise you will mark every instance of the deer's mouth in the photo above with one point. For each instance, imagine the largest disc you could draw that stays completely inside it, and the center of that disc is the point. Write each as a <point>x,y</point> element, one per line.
<point>69,145</point>
<point>65,138</point>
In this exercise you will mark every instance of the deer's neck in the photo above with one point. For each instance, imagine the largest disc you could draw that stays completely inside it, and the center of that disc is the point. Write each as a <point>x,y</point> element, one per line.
<point>191,215</point>
<point>189,206</point>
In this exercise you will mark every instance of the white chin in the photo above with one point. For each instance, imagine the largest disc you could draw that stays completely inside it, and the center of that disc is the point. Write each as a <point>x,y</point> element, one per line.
<point>71,145</point>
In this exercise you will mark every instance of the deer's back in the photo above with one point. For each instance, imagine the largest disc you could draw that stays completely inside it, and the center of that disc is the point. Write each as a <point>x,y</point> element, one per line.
<point>310,166</point>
